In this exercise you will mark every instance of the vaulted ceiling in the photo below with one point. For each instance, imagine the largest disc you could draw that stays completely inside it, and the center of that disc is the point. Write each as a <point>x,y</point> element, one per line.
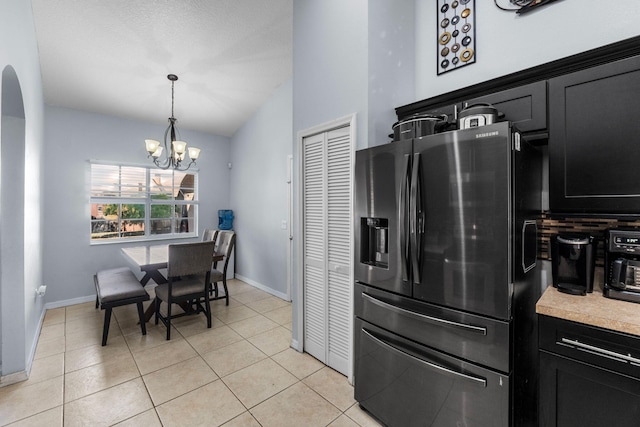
<point>113,56</point>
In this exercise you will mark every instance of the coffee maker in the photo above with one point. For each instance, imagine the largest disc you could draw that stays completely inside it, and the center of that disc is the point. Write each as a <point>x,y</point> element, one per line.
<point>622,264</point>
<point>573,262</point>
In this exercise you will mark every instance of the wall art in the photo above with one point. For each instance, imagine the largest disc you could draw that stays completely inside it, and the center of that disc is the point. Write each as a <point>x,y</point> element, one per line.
<point>456,29</point>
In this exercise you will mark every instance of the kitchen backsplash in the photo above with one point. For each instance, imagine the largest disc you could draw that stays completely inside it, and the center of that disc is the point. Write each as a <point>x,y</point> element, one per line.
<point>549,225</point>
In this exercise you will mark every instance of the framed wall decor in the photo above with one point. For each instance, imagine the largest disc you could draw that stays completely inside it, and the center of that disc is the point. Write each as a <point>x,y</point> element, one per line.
<point>456,29</point>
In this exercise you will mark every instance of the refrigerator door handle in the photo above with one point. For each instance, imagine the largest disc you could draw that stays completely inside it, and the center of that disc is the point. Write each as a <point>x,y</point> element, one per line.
<point>467,327</point>
<point>415,219</point>
<point>477,380</point>
<point>529,238</point>
<point>404,209</point>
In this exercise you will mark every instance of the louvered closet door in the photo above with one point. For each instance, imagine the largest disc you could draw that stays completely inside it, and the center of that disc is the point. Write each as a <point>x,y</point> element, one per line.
<point>315,272</point>
<point>327,247</point>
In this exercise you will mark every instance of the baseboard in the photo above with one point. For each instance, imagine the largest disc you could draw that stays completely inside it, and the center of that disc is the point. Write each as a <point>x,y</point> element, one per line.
<point>68,302</point>
<point>262,287</point>
<point>16,377</point>
<point>80,300</point>
<point>296,345</point>
<point>34,344</point>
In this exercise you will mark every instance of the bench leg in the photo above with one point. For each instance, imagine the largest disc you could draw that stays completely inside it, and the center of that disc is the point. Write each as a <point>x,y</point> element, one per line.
<point>107,320</point>
<point>143,325</point>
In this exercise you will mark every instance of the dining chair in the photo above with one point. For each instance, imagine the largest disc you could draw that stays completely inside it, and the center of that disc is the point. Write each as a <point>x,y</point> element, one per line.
<point>224,245</point>
<point>188,280</point>
<point>209,235</point>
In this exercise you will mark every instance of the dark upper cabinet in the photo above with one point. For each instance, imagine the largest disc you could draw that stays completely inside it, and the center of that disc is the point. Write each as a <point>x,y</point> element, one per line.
<point>450,111</point>
<point>594,139</point>
<point>525,106</point>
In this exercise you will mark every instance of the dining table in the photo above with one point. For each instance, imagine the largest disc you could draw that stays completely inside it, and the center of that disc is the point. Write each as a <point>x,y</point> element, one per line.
<point>151,260</point>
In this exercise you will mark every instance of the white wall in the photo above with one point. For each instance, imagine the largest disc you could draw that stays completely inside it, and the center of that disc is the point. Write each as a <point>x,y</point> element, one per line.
<point>259,193</point>
<point>20,309</point>
<point>507,43</point>
<point>75,137</point>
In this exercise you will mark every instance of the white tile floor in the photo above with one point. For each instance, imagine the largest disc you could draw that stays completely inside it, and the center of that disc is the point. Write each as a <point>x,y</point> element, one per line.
<point>239,373</point>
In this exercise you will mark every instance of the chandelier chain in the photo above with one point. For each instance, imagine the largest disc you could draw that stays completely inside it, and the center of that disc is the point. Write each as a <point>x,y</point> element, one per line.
<point>172,82</point>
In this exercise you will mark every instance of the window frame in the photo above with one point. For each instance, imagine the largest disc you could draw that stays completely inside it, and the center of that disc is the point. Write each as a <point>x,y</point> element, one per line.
<point>148,200</point>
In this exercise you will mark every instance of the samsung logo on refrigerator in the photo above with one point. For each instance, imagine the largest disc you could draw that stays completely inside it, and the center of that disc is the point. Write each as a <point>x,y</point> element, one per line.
<point>487,134</point>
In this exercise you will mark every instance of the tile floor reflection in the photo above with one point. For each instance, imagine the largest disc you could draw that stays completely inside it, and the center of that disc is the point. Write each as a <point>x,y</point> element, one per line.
<point>241,372</point>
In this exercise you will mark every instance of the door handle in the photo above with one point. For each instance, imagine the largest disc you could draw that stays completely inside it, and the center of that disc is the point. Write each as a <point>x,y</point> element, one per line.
<point>404,244</point>
<point>472,328</point>
<point>525,224</point>
<point>626,358</point>
<point>413,220</point>
<point>434,366</point>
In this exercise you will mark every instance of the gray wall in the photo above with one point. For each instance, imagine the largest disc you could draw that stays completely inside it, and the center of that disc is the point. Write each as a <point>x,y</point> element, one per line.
<point>329,82</point>
<point>259,193</point>
<point>20,309</point>
<point>506,42</point>
<point>330,63</point>
<point>391,64</point>
<point>75,137</point>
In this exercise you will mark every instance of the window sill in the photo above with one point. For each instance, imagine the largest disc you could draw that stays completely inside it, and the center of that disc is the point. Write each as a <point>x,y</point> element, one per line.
<point>143,240</point>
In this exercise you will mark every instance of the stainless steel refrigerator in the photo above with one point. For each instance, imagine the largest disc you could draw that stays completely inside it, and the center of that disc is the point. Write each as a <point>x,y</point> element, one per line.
<point>446,279</point>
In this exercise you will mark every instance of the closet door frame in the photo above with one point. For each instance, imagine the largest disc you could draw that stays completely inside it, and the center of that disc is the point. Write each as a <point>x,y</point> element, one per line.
<point>298,314</point>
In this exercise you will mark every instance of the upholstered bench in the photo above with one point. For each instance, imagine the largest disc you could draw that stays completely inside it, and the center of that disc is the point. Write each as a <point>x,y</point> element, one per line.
<point>116,287</point>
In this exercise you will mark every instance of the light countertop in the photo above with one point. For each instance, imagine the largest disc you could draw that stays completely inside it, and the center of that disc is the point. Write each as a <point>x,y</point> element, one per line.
<point>591,309</point>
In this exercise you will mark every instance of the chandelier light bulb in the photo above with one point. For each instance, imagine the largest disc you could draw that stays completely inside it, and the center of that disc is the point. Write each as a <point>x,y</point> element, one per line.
<point>179,147</point>
<point>158,152</point>
<point>194,153</point>
<point>152,145</point>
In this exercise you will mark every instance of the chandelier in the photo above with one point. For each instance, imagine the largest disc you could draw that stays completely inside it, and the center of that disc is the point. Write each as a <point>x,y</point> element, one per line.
<point>174,151</point>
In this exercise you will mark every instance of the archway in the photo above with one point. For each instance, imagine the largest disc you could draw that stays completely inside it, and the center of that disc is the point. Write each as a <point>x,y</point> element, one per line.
<point>12,225</point>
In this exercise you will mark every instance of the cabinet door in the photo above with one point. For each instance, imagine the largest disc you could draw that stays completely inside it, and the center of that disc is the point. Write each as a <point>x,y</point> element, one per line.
<point>582,364</point>
<point>594,152</point>
<point>524,106</point>
<point>578,394</point>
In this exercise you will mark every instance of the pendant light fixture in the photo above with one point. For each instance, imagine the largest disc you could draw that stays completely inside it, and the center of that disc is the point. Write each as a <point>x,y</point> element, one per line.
<point>174,150</point>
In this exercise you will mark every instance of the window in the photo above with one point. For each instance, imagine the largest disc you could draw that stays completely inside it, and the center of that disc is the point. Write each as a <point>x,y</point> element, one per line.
<point>141,203</point>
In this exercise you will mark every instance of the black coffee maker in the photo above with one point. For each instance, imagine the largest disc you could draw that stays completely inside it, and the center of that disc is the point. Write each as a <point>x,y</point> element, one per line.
<point>573,262</point>
<point>622,264</point>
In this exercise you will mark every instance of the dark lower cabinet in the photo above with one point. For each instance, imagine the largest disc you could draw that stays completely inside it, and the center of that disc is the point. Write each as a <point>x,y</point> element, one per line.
<point>589,377</point>
<point>574,394</point>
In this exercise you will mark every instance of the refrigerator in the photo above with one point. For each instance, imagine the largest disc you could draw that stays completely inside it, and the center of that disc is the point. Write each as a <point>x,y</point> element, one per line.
<point>446,279</point>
